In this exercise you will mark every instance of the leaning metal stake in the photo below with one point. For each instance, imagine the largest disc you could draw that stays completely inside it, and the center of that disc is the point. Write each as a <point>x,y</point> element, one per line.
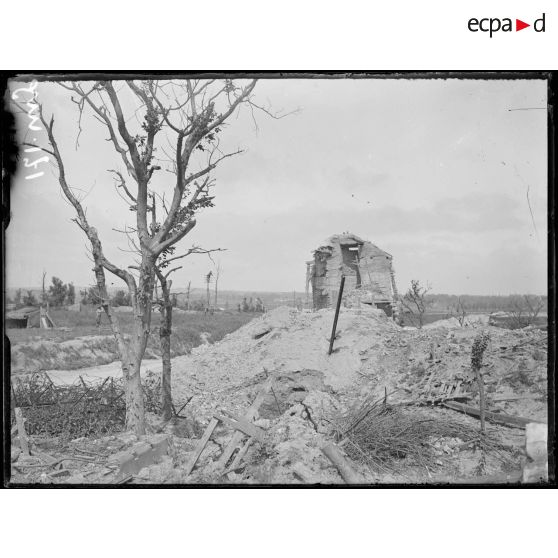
<point>339,297</point>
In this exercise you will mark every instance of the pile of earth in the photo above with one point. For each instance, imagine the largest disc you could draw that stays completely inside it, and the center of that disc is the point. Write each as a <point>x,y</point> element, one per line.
<point>372,357</point>
<point>293,347</point>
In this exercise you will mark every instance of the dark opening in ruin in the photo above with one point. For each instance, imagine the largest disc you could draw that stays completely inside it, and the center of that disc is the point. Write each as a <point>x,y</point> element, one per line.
<point>351,258</point>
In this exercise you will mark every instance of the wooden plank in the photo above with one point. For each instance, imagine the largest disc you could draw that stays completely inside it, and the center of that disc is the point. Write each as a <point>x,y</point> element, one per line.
<point>350,476</point>
<point>201,445</point>
<point>498,418</point>
<point>123,480</point>
<point>239,456</point>
<point>48,459</point>
<point>249,416</point>
<point>304,473</point>
<point>242,425</point>
<point>22,435</point>
<point>517,397</point>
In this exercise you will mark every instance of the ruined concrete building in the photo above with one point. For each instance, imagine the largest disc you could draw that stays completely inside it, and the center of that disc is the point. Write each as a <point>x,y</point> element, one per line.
<point>368,271</point>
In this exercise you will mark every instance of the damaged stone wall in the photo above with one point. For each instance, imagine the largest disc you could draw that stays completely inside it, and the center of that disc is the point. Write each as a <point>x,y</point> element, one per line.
<point>368,271</point>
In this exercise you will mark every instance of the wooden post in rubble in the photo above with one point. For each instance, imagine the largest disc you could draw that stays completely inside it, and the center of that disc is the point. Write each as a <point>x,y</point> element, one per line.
<point>22,435</point>
<point>349,475</point>
<point>337,308</point>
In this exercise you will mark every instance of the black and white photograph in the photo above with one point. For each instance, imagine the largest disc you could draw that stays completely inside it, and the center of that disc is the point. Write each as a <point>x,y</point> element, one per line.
<point>295,279</point>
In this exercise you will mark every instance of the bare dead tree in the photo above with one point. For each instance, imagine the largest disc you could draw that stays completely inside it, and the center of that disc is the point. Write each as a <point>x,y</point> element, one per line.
<point>516,311</point>
<point>142,118</point>
<point>207,283</point>
<point>44,299</point>
<point>415,304</point>
<point>461,311</point>
<point>165,329</point>
<point>534,306</point>
<point>217,275</point>
<point>188,296</point>
<point>525,309</point>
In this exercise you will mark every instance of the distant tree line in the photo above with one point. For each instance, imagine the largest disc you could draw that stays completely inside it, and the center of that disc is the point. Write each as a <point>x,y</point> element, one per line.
<point>58,294</point>
<point>90,296</point>
<point>482,303</point>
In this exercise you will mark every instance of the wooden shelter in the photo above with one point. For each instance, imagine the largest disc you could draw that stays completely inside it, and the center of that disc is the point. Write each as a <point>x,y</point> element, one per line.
<point>368,271</point>
<point>29,316</point>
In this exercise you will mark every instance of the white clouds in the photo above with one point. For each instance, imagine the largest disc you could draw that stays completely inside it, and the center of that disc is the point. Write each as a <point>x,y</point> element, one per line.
<point>433,171</point>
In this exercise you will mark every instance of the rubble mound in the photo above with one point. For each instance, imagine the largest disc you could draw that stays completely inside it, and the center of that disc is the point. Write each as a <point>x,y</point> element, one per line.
<point>313,401</point>
<point>291,345</point>
<point>373,358</point>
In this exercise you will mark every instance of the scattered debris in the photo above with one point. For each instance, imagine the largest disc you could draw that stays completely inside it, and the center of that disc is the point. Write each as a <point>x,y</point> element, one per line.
<point>141,455</point>
<point>264,402</point>
<point>78,409</point>
<point>242,427</point>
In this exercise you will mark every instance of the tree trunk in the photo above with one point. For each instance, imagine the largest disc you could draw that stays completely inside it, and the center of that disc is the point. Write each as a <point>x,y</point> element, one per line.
<point>135,412</point>
<point>141,303</point>
<point>130,353</point>
<point>215,297</point>
<point>217,273</point>
<point>165,332</point>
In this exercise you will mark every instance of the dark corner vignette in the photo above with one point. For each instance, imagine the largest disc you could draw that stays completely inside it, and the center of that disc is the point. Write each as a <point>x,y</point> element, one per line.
<point>10,157</point>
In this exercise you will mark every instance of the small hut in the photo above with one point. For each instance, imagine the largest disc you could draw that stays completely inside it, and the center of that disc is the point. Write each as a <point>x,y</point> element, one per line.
<point>368,271</point>
<point>29,316</point>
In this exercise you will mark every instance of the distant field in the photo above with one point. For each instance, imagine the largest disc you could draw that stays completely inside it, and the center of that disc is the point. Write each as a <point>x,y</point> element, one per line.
<point>431,317</point>
<point>427,318</point>
<point>186,331</point>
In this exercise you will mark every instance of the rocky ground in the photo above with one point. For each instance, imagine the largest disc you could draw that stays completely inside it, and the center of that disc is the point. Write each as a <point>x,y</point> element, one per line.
<point>314,392</point>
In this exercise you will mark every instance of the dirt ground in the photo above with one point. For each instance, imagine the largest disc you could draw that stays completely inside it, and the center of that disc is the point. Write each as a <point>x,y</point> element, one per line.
<point>312,392</point>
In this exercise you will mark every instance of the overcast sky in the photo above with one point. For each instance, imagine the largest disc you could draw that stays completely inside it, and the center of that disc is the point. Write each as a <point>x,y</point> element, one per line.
<point>435,172</point>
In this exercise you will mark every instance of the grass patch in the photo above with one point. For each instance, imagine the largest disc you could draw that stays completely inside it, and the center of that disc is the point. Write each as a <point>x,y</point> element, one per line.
<point>385,437</point>
<point>44,349</point>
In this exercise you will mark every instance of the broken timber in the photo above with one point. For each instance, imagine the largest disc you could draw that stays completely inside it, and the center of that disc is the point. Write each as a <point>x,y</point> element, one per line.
<point>250,415</point>
<point>350,476</point>
<point>498,418</point>
<point>201,445</point>
<point>22,435</point>
<point>242,427</point>
<point>239,456</point>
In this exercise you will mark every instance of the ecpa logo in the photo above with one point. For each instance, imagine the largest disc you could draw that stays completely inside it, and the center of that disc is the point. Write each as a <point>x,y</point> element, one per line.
<point>492,25</point>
